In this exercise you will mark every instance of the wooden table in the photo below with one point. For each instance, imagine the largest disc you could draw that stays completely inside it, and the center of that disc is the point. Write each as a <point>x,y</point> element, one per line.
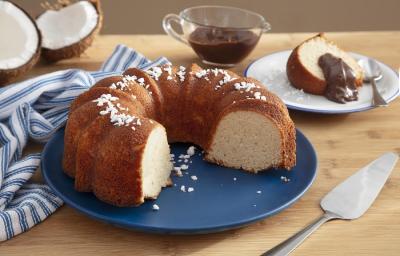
<point>344,143</point>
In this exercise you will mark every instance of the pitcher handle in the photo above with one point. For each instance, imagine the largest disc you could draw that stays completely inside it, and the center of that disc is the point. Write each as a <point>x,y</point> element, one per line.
<point>166,23</point>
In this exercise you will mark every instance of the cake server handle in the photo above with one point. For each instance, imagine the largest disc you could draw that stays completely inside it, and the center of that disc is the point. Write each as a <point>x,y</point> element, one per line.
<point>294,241</point>
<point>166,23</point>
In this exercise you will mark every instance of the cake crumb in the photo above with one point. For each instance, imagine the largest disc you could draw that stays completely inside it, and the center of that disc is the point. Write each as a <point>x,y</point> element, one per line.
<point>184,167</point>
<point>183,188</point>
<point>190,189</point>
<point>178,171</point>
<point>193,177</point>
<point>285,179</point>
<point>259,192</point>
<point>191,151</point>
<point>156,207</point>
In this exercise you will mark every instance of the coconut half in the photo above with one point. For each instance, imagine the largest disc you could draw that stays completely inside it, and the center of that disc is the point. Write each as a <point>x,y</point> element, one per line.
<point>69,31</point>
<point>19,44</point>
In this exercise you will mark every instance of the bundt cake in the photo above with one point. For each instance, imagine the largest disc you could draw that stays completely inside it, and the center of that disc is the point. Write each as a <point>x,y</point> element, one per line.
<point>303,69</point>
<point>117,133</point>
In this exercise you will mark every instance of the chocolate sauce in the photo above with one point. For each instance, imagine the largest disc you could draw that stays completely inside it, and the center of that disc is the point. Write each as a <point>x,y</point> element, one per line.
<point>222,45</point>
<point>340,79</point>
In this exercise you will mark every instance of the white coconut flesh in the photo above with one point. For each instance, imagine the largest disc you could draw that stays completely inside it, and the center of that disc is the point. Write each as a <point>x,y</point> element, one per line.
<point>19,37</point>
<point>67,26</point>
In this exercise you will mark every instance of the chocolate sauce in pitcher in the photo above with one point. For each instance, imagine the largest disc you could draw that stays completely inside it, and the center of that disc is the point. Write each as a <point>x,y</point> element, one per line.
<point>222,45</point>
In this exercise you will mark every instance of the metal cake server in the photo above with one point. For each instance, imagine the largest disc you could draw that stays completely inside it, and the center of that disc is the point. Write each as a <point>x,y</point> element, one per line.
<point>348,200</point>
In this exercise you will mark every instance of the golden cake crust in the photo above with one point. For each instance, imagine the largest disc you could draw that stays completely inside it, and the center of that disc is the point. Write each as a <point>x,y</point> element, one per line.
<point>188,102</point>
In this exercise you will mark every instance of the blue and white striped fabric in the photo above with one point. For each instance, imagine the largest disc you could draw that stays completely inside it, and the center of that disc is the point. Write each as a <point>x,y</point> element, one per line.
<point>35,109</point>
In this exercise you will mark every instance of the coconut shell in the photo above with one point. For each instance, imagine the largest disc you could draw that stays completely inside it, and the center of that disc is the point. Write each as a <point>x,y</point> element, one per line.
<point>9,75</point>
<point>76,49</point>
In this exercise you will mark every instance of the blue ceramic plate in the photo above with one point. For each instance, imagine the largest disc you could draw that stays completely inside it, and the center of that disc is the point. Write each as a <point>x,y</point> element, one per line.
<point>222,199</point>
<point>271,71</point>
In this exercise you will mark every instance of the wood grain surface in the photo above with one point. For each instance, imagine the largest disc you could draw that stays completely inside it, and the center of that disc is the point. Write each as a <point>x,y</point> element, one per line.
<point>344,143</point>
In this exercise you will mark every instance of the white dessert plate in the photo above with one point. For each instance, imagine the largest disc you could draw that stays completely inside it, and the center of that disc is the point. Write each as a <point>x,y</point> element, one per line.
<point>271,71</point>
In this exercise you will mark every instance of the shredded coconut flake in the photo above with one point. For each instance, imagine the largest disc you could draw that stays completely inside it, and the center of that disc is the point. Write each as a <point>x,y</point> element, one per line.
<point>244,85</point>
<point>141,81</point>
<point>168,69</point>
<point>191,150</point>
<point>204,73</point>
<point>128,80</point>
<point>226,79</point>
<point>201,73</point>
<point>116,117</point>
<point>154,72</point>
<point>156,207</point>
<point>105,98</point>
<point>181,73</point>
<point>183,188</point>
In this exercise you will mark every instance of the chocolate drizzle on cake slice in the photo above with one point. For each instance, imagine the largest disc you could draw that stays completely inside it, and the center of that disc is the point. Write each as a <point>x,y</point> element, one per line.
<point>340,79</point>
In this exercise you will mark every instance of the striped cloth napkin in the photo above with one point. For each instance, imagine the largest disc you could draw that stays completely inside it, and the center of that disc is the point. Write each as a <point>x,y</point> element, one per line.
<point>35,109</point>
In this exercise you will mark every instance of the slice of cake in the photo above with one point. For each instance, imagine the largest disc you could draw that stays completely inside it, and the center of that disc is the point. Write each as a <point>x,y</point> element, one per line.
<point>304,70</point>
